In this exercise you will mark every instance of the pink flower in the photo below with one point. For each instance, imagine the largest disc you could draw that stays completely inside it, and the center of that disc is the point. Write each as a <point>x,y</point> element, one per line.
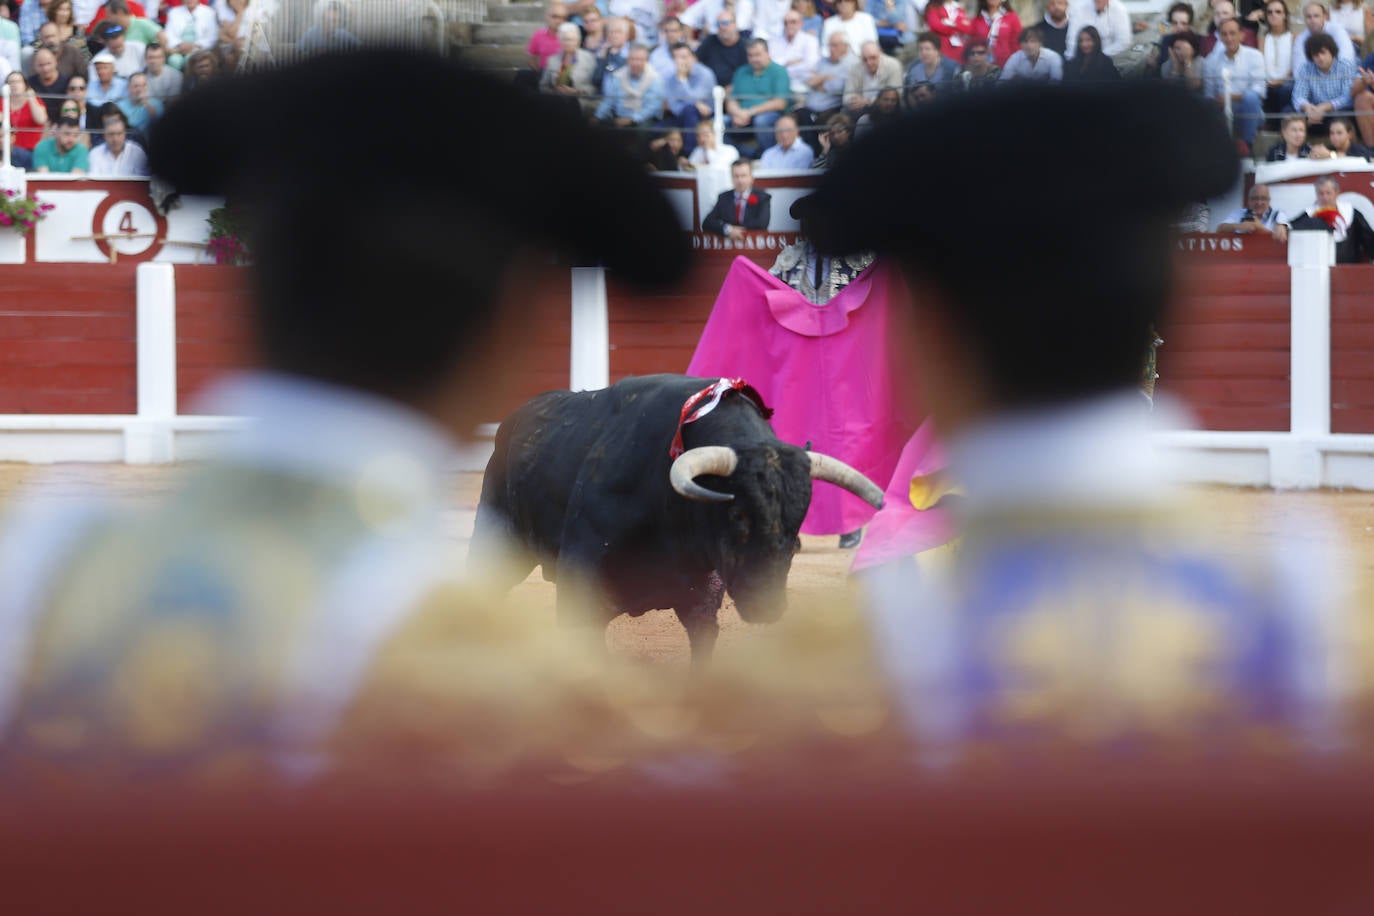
<point>46,207</point>
<point>6,219</point>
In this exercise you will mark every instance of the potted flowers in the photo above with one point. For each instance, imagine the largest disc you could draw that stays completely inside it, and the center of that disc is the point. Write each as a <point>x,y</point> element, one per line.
<point>19,212</point>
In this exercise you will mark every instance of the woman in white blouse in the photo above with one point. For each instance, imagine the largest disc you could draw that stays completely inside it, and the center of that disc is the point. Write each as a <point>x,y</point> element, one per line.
<point>1277,47</point>
<point>1350,13</point>
<point>860,27</point>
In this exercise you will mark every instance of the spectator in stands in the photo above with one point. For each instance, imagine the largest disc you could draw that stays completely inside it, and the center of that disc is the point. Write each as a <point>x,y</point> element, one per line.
<point>1276,47</point>
<point>47,82</point>
<point>193,26</point>
<point>1089,64</point>
<point>1350,15</point>
<point>886,107</point>
<point>1182,63</point>
<point>643,16</point>
<point>1224,11</point>
<point>708,153</point>
<point>544,43</point>
<point>1247,90</point>
<point>128,55</point>
<point>1294,144</point>
<point>1055,26</point>
<point>1319,22</point>
<point>919,95</point>
<point>704,17</point>
<point>1034,62</point>
<point>571,72</point>
<point>726,51</point>
<point>797,50</point>
<point>140,109</point>
<point>687,91</point>
<point>858,26</point>
<point>10,36</point>
<point>106,86</point>
<point>666,152</point>
<point>235,29</point>
<point>812,23</point>
<point>949,21</point>
<point>633,97</point>
<point>201,68</point>
<point>136,28</point>
<point>897,22</point>
<point>742,208</point>
<point>89,116</point>
<point>998,27</point>
<point>1362,97</point>
<point>614,55</point>
<point>68,29</point>
<point>1353,235</point>
<point>28,115</point>
<point>1323,82</point>
<point>70,60</point>
<point>1340,142</point>
<point>825,87</point>
<point>594,31</point>
<point>1259,218</point>
<point>759,94</point>
<point>32,15</point>
<point>789,151</point>
<point>1180,19</point>
<point>63,152</point>
<point>768,15</point>
<point>76,110</point>
<point>670,34</point>
<point>979,71</point>
<point>164,82</point>
<point>874,72</point>
<point>118,156</point>
<point>931,66</point>
<point>834,140</point>
<point>1112,22</point>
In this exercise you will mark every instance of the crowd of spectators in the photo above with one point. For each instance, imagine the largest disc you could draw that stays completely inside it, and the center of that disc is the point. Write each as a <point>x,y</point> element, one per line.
<point>113,67</point>
<point>790,68</point>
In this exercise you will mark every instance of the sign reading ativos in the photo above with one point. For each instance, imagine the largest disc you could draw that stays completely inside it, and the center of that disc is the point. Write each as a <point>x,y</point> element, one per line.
<point>1232,246</point>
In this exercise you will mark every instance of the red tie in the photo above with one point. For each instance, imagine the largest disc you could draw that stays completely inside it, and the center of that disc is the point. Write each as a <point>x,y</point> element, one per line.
<point>739,209</point>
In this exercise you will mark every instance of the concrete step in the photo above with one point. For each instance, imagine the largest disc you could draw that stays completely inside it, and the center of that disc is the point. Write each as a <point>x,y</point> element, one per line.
<point>502,33</point>
<point>493,57</point>
<point>516,12</point>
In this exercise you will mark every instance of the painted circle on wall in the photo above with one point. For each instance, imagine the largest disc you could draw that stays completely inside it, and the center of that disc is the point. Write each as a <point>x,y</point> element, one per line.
<point>134,231</point>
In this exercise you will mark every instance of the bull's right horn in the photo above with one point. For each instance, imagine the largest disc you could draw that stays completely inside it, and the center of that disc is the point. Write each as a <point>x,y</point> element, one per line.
<point>824,467</point>
<point>695,462</point>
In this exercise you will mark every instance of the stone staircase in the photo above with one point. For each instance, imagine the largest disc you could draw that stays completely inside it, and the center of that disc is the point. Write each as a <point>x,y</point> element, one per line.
<point>498,45</point>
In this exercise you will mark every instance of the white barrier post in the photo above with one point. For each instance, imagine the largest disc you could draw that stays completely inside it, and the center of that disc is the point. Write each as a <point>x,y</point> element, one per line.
<point>591,330</point>
<point>4,134</point>
<point>149,439</point>
<point>718,100</point>
<point>1298,462</point>
<point>1226,98</point>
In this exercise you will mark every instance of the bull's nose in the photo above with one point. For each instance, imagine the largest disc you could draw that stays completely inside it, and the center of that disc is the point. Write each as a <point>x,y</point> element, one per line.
<point>761,607</point>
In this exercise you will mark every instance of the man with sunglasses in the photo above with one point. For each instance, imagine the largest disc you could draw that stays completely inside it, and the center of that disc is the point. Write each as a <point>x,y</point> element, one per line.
<point>726,51</point>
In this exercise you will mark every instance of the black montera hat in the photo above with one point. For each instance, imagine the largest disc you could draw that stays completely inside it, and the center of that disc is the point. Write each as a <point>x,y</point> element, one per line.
<point>394,200</point>
<point>378,126</point>
<point>1042,214</point>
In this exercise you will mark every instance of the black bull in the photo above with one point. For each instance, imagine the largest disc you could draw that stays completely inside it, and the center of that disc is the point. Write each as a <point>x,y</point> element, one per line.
<point>583,485</point>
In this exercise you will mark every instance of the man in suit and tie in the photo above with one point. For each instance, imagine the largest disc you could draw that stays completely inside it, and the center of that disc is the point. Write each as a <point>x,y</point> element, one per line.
<point>741,209</point>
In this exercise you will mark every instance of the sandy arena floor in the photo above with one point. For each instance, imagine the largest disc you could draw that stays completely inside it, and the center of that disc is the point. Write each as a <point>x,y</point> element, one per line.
<point>821,566</point>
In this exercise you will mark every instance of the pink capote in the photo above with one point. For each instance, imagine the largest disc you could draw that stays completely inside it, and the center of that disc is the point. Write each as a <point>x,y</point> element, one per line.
<point>900,530</point>
<point>824,369</point>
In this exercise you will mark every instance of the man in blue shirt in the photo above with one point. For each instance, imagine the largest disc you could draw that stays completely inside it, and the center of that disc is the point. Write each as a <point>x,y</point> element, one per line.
<point>633,96</point>
<point>1033,61</point>
<point>1321,83</point>
<point>789,152</point>
<point>687,94</point>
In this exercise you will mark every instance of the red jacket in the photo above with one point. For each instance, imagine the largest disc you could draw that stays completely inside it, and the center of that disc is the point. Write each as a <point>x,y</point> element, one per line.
<point>1008,30</point>
<point>953,31</point>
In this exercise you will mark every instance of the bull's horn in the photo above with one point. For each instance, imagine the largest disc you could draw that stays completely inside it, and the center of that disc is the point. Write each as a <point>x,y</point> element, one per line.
<point>693,463</point>
<point>835,471</point>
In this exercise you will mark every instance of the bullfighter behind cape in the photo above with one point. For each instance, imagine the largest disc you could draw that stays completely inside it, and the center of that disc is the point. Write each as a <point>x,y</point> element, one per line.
<point>823,367</point>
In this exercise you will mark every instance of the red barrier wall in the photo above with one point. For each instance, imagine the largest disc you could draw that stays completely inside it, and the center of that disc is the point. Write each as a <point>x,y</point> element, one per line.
<point>67,339</point>
<point>1226,349</point>
<point>1352,349</point>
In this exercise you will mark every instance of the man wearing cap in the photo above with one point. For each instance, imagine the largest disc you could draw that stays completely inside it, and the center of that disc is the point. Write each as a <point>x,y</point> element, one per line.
<point>1088,601</point>
<point>312,551</point>
<point>104,86</point>
<point>128,55</point>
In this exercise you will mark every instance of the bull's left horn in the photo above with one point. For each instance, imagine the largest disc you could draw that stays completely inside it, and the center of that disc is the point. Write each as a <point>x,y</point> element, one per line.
<point>707,459</point>
<point>835,471</point>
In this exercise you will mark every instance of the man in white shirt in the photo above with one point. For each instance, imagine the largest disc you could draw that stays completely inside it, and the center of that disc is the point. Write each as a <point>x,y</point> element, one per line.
<point>790,152</point>
<point>1318,19</point>
<point>643,13</point>
<point>1247,87</point>
<point>118,156</point>
<point>191,27</point>
<point>797,50</point>
<point>1112,22</point>
<point>702,15</point>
